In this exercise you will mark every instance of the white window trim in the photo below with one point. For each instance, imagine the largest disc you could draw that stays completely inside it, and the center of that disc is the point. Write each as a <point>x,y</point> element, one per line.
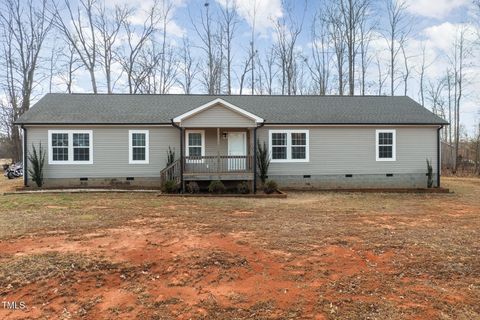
<point>130,147</point>
<point>70,147</point>
<point>289,145</point>
<point>187,149</point>
<point>394,144</point>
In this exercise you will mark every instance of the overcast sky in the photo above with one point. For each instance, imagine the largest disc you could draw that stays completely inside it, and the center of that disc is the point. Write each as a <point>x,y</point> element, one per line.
<point>434,25</point>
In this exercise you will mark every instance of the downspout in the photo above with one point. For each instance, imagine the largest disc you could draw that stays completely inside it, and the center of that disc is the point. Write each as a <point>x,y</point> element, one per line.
<point>181,154</point>
<point>438,156</point>
<point>255,156</point>
<point>25,157</point>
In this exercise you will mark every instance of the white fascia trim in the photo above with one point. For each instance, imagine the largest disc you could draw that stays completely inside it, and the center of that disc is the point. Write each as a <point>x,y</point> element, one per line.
<point>130,147</point>
<point>190,113</point>
<point>289,145</point>
<point>70,147</point>
<point>394,145</point>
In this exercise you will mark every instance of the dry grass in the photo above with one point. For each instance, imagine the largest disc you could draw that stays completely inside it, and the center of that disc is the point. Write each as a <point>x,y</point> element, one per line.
<point>330,255</point>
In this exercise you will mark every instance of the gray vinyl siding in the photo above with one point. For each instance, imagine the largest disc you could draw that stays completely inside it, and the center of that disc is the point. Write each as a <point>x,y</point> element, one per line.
<point>217,117</point>
<point>351,150</point>
<point>211,140</point>
<point>333,151</point>
<point>110,152</point>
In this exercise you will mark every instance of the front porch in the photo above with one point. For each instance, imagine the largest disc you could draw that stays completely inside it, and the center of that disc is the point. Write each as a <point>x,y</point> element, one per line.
<point>217,142</point>
<point>217,154</point>
<point>219,167</point>
<point>214,154</point>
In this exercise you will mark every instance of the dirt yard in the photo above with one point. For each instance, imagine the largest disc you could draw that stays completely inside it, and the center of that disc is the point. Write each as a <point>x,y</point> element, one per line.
<point>310,256</point>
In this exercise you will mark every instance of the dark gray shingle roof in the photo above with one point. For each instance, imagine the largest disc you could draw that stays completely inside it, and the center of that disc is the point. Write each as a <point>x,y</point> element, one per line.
<point>59,108</point>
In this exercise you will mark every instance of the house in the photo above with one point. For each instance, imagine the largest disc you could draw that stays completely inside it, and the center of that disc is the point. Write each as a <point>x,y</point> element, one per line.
<point>313,141</point>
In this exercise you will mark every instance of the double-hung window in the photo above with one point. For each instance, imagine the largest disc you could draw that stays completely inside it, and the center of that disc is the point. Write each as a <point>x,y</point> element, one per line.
<point>138,146</point>
<point>385,145</point>
<point>289,145</point>
<point>70,147</point>
<point>195,144</point>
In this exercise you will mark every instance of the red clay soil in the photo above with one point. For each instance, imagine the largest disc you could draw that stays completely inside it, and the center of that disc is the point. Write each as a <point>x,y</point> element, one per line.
<point>159,268</point>
<point>182,275</point>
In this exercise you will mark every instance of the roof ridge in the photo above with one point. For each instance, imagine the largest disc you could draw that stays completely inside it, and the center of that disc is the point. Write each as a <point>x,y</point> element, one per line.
<point>224,95</point>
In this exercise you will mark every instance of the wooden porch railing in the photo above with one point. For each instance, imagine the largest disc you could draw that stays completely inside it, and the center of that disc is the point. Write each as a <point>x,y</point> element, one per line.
<point>172,172</point>
<point>218,164</point>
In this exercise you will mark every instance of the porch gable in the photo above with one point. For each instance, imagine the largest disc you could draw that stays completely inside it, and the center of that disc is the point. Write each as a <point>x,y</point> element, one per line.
<point>218,113</point>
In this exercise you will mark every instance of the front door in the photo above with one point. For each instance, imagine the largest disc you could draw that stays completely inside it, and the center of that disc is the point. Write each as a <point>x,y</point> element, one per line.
<point>237,151</point>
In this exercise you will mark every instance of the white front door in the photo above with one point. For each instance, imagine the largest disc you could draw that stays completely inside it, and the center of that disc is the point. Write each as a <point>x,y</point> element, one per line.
<point>237,146</point>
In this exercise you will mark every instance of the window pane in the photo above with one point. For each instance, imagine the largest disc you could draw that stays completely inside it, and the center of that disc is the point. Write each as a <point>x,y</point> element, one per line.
<point>385,152</point>
<point>299,139</point>
<point>279,139</point>
<point>60,139</point>
<point>138,153</point>
<point>385,138</point>
<point>195,151</point>
<point>138,139</point>
<point>194,139</point>
<point>60,154</point>
<point>298,153</point>
<point>279,152</point>
<point>81,140</point>
<point>81,154</point>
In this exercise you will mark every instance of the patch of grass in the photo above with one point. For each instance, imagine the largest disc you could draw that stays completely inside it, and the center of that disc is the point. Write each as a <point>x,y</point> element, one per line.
<point>33,268</point>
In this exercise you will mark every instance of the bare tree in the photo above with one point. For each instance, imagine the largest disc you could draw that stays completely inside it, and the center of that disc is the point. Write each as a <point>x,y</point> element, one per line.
<point>79,30</point>
<point>253,50</point>
<point>353,15</point>
<point>320,64</point>
<point>287,29</point>
<point>365,37</point>
<point>268,70</point>
<point>337,37</point>
<point>381,76</point>
<point>24,26</point>
<point>53,70</point>
<point>246,67</point>
<point>109,28</point>
<point>188,68</point>
<point>70,64</point>
<point>396,35</point>
<point>229,28</point>
<point>206,31</point>
<point>406,69</point>
<point>134,57</point>
<point>458,61</point>
<point>435,96</point>
<point>423,68</point>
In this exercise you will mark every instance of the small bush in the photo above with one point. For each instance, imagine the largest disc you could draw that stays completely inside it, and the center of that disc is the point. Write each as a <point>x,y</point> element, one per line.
<point>192,187</point>
<point>216,186</point>
<point>429,174</point>
<point>270,186</point>
<point>243,188</point>
<point>263,160</point>
<point>170,186</point>
<point>170,156</point>
<point>37,161</point>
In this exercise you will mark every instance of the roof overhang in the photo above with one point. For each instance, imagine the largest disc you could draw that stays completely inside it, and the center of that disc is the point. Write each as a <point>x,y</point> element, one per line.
<point>222,102</point>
